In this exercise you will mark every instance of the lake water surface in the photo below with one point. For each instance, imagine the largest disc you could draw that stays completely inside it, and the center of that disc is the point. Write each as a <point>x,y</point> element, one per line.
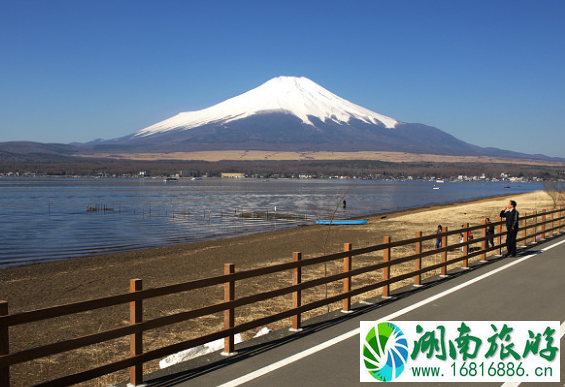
<point>46,219</point>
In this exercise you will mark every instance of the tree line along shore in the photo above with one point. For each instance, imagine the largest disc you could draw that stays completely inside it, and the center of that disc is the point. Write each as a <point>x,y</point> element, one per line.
<point>371,169</point>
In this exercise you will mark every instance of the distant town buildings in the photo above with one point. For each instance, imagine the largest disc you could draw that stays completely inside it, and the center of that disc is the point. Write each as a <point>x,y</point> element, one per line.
<point>502,177</point>
<point>232,175</point>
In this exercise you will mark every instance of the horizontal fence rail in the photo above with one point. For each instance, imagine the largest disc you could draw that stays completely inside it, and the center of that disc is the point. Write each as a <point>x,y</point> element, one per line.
<point>533,227</point>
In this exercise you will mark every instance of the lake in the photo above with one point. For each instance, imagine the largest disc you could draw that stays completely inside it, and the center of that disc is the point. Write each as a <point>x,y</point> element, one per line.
<point>47,219</point>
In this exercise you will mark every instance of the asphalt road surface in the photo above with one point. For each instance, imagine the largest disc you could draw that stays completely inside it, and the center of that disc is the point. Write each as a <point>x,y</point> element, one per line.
<point>530,287</point>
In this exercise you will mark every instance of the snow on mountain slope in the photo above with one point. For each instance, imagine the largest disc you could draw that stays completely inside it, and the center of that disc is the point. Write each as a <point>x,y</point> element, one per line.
<point>298,96</point>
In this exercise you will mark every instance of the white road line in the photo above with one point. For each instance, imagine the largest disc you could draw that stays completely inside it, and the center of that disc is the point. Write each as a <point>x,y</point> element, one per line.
<point>561,329</point>
<point>301,355</point>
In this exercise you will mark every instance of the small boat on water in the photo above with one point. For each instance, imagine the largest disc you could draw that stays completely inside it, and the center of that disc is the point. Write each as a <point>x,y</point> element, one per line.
<point>506,186</point>
<point>338,222</point>
<point>171,179</point>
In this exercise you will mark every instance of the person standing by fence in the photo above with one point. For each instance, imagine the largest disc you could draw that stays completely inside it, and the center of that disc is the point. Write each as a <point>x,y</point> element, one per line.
<point>438,239</point>
<point>490,232</point>
<point>509,212</point>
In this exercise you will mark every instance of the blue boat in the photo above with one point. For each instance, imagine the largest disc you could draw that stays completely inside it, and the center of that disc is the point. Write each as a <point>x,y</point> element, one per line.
<point>337,222</point>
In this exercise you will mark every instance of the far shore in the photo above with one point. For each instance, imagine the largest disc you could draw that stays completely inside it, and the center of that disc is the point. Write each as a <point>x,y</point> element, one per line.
<point>254,155</point>
<point>46,284</point>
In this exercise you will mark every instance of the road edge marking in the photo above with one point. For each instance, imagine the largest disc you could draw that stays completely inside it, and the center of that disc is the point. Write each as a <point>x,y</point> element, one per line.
<point>300,355</point>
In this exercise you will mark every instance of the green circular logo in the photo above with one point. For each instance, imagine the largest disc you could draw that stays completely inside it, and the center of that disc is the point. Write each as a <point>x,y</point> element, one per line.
<point>385,352</point>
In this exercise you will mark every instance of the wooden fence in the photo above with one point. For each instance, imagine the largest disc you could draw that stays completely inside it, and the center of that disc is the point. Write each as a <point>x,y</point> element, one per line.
<point>532,228</point>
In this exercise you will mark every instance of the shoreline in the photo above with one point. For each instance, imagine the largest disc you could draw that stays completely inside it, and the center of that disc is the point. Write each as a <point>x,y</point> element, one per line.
<point>44,285</point>
<point>52,283</point>
<point>14,265</point>
<point>116,249</point>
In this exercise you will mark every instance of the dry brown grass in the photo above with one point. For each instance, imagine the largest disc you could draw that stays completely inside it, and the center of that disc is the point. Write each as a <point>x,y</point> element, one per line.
<point>399,226</point>
<point>244,155</point>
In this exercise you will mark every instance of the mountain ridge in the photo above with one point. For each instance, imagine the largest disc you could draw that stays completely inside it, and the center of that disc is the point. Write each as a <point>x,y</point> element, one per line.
<point>288,113</point>
<point>284,114</point>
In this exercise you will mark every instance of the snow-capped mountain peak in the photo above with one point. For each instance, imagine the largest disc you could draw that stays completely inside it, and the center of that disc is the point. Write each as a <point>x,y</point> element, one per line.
<point>298,96</point>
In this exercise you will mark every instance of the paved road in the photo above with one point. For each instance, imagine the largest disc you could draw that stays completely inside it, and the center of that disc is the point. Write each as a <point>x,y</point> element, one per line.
<point>530,287</point>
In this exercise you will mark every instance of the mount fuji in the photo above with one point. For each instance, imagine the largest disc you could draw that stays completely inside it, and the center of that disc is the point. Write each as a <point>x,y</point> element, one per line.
<point>290,114</point>
<point>287,116</point>
<point>299,97</point>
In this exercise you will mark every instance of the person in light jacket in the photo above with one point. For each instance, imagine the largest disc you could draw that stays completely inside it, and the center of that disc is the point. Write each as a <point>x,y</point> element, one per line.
<point>509,212</point>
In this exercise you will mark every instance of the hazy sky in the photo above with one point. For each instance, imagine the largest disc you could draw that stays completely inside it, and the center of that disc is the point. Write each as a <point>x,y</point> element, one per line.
<point>491,73</point>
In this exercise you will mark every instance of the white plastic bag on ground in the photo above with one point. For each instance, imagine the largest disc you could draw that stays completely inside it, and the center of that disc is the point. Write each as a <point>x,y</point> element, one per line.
<point>192,353</point>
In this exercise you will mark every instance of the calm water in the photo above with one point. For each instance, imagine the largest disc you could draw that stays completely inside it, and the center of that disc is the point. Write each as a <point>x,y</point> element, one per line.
<point>48,219</point>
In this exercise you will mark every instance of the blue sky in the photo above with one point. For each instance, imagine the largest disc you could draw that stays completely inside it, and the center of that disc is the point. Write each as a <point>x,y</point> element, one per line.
<point>491,73</point>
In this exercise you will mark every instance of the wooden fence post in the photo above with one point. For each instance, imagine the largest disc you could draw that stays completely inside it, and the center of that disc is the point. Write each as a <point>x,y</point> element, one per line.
<point>418,261</point>
<point>543,235</point>
<point>466,247</point>
<point>4,344</point>
<point>229,314</point>
<point>499,239</point>
<point>534,229</point>
<point>386,269</point>
<point>296,296</point>
<point>552,221</point>
<point>347,280</point>
<point>484,243</point>
<point>136,339</point>
<point>524,228</point>
<point>443,272</point>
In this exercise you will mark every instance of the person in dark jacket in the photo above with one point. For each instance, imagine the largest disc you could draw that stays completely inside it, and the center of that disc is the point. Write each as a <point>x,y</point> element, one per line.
<point>490,232</point>
<point>509,212</point>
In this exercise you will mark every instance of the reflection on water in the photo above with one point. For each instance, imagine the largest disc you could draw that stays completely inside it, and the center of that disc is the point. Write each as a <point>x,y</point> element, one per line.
<point>50,219</point>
